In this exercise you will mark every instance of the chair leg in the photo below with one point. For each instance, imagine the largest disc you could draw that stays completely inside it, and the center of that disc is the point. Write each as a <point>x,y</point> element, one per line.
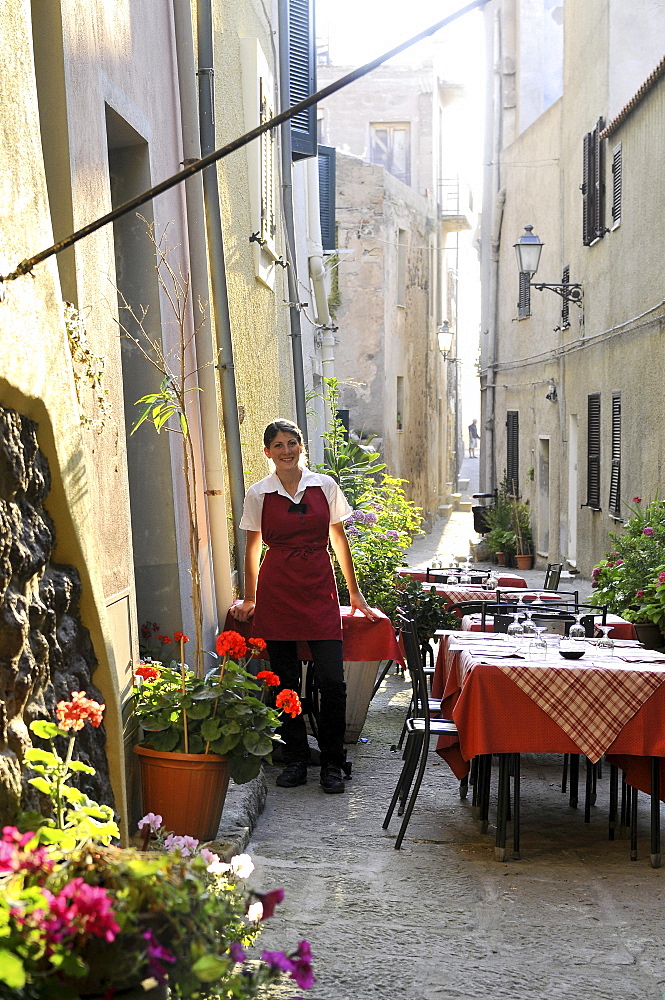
<point>516,808</point>
<point>624,802</point>
<point>574,779</point>
<point>655,812</point>
<point>503,801</point>
<point>614,800</point>
<point>464,787</point>
<point>632,798</point>
<point>564,776</point>
<point>588,790</point>
<point>411,757</point>
<point>383,675</point>
<point>399,786</point>
<point>485,778</point>
<point>473,780</point>
<point>424,750</point>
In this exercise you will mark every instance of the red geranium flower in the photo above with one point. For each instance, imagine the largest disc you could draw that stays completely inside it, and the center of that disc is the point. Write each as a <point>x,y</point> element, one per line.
<point>268,677</point>
<point>637,499</point>
<point>289,702</point>
<point>270,900</point>
<point>255,647</point>
<point>147,672</point>
<point>72,714</point>
<point>165,639</point>
<point>231,644</point>
<point>178,636</point>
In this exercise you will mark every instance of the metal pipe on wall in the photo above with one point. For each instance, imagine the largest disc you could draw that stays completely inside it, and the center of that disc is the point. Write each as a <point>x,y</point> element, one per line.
<point>220,297</point>
<point>206,352</point>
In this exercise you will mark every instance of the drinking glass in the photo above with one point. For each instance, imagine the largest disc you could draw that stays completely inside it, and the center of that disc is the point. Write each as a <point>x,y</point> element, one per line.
<point>465,575</point>
<point>528,625</point>
<point>491,583</point>
<point>451,579</point>
<point>515,630</point>
<point>605,642</point>
<point>577,630</point>
<point>538,645</point>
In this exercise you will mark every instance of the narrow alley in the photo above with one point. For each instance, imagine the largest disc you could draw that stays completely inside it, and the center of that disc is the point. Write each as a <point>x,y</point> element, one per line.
<point>441,918</point>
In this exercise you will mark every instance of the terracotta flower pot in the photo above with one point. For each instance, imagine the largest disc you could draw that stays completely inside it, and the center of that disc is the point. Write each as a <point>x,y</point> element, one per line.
<point>524,561</point>
<point>186,789</point>
<point>649,634</point>
<point>500,558</point>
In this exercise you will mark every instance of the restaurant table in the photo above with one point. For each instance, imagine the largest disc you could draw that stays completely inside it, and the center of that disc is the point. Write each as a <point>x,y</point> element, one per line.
<point>365,644</point>
<point>504,579</point>
<point>620,628</point>
<point>502,704</point>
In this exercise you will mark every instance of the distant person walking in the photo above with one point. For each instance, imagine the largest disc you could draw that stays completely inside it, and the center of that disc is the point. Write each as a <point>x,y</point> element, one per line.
<point>474,438</point>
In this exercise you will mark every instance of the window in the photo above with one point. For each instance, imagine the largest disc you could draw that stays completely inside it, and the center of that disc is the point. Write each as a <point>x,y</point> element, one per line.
<point>512,451</point>
<point>593,185</point>
<point>302,76</point>
<point>402,248</point>
<point>616,186</point>
<point>327,197</point>
<point>565,308</point>
<point>259,103</point>
<point>524,301</point>
<point>390,147</point>
<point>615,480</point>
<point>593,452</point>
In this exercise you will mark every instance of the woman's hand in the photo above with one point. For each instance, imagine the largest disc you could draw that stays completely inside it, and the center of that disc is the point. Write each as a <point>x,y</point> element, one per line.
<point>358,603</point>
<point>243,612</point>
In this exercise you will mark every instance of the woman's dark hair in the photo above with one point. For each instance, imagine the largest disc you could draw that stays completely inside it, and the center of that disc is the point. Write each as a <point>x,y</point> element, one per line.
<point>283,425</point>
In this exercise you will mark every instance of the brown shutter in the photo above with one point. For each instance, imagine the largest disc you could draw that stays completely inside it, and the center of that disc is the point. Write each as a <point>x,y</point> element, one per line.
<point>524,301</point>
<point>599,180</point>
<point>615,480</point>
<point>593,451</point>
<point>565,308</point>
<point>587,190</point>
<point>512,451</point>
<point>616,185</point>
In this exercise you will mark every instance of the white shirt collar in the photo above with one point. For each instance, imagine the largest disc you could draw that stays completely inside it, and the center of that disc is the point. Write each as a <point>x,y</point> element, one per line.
<point>272,484</point>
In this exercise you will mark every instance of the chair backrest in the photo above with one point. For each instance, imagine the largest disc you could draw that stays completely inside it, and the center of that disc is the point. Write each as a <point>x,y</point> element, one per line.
<point>414,664</point>
<point>552,576</point>
<point>559,619</point>
<point>463,608</point>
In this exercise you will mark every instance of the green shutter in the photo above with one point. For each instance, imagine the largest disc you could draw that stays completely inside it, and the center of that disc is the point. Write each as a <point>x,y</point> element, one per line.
<point>327,197</point>
<point>593,451</point>
<point>302,76</point>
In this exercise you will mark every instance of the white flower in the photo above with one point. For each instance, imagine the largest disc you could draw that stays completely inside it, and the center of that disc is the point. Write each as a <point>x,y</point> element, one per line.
<point>215,865</point>
<point>242,865</point>
<point>255,912</point>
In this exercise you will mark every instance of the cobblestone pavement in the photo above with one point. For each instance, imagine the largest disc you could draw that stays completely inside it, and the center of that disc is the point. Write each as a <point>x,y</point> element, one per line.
<point>441,919</point>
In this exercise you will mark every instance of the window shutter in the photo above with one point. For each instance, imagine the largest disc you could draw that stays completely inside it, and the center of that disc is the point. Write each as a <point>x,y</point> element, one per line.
<point>599,180</point>
<point>302,76</point>
<point>593,452</point>
<point>267,145</point>
<point>327,197</point>
<point>615,481</point>
<point>587,189</point>
<point>512,451</point>
<point>524,301</point>
<point>565,308</point>
<point>616,185</point>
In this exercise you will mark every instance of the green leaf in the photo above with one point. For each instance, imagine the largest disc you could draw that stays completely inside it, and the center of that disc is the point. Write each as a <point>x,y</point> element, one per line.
<point>243,769</point>
<point>257,743</point>
<point>183,424</point>
<point>35,755</point>
<point>42,785</point>
<point>211,729</point>
<point>45,730</point>
<point>209,967</point>
<point>12,972</point>
<point>78,765</point>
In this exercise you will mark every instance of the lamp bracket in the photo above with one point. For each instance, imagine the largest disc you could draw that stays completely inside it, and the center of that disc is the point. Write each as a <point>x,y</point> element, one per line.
<point>569,291</point>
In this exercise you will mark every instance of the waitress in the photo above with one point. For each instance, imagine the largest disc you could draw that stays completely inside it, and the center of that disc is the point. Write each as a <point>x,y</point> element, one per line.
<point>293,596</point>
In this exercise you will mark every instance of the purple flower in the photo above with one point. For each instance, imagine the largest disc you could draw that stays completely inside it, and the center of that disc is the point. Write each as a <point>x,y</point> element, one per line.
<point>352,531</point>
<point>370,517</point>
<point>236,952</point>
<point>156,955</point>
<point>303,973</point>
<point>278,960</point>
<point>647,531</point>
<point>270,900</point>
<point>391,533</point>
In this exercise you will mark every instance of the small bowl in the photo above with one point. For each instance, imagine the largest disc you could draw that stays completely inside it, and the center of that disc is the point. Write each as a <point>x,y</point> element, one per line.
<point>572,654</point>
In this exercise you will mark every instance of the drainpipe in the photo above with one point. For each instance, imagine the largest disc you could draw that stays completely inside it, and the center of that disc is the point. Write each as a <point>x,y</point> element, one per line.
<point>287,207</point>
<point>200,292</point>
<point>220,298</point>
<point>317,275</point>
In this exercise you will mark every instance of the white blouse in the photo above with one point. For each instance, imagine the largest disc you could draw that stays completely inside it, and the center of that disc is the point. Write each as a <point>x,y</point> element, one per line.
<point>253,508</point>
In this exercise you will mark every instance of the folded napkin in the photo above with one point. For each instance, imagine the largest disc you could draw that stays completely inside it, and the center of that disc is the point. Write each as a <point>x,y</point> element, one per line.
<point>640,656</point>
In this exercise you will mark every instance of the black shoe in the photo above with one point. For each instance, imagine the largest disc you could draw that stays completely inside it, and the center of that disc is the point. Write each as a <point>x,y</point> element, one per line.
<point>293,775</point>
<point>332,779</point>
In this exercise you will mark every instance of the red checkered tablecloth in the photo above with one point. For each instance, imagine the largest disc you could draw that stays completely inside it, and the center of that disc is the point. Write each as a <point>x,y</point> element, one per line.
<point>591,703</point>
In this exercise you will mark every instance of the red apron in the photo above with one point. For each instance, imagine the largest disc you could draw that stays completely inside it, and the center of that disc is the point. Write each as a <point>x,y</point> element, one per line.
<point>296,594</point>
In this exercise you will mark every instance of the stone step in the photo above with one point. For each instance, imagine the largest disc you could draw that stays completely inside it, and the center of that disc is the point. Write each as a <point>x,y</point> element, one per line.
<point>465,506</point>
<point>463,485</point>
<point>445,510</point>
<point>454,499</point>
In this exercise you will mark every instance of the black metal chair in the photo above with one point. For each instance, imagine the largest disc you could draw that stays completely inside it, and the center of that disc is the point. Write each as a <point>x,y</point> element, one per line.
<point>552,576</point>
<point>463,608</point>
<point>420,727</point>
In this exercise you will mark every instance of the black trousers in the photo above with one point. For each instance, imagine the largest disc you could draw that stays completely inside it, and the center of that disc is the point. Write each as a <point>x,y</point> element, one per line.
<point>328,665</point>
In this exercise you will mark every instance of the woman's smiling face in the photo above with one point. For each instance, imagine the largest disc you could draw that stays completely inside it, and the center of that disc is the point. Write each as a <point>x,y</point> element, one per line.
<point>285,451</point>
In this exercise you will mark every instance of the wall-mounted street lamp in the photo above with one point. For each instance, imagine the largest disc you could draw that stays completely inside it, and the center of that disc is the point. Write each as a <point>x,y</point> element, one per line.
<point>527,250</point>
<point>445,337</point>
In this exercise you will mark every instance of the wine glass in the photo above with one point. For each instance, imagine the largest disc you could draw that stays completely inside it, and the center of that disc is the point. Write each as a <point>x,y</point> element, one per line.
<point>491,583</point>
<point>515,630</point>
<point>529,625</point>
<point>538,645</point>
<point>452,578</point>
<point>577,631</point>
<point>465,576</point>
<point>605,642</point>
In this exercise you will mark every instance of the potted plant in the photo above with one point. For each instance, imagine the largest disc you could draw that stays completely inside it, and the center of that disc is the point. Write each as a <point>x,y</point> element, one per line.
<point>523,536</point>
<point>80,917</point>
<point>630,580</point>
<point>501,538</point>
<point>199,731</point>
